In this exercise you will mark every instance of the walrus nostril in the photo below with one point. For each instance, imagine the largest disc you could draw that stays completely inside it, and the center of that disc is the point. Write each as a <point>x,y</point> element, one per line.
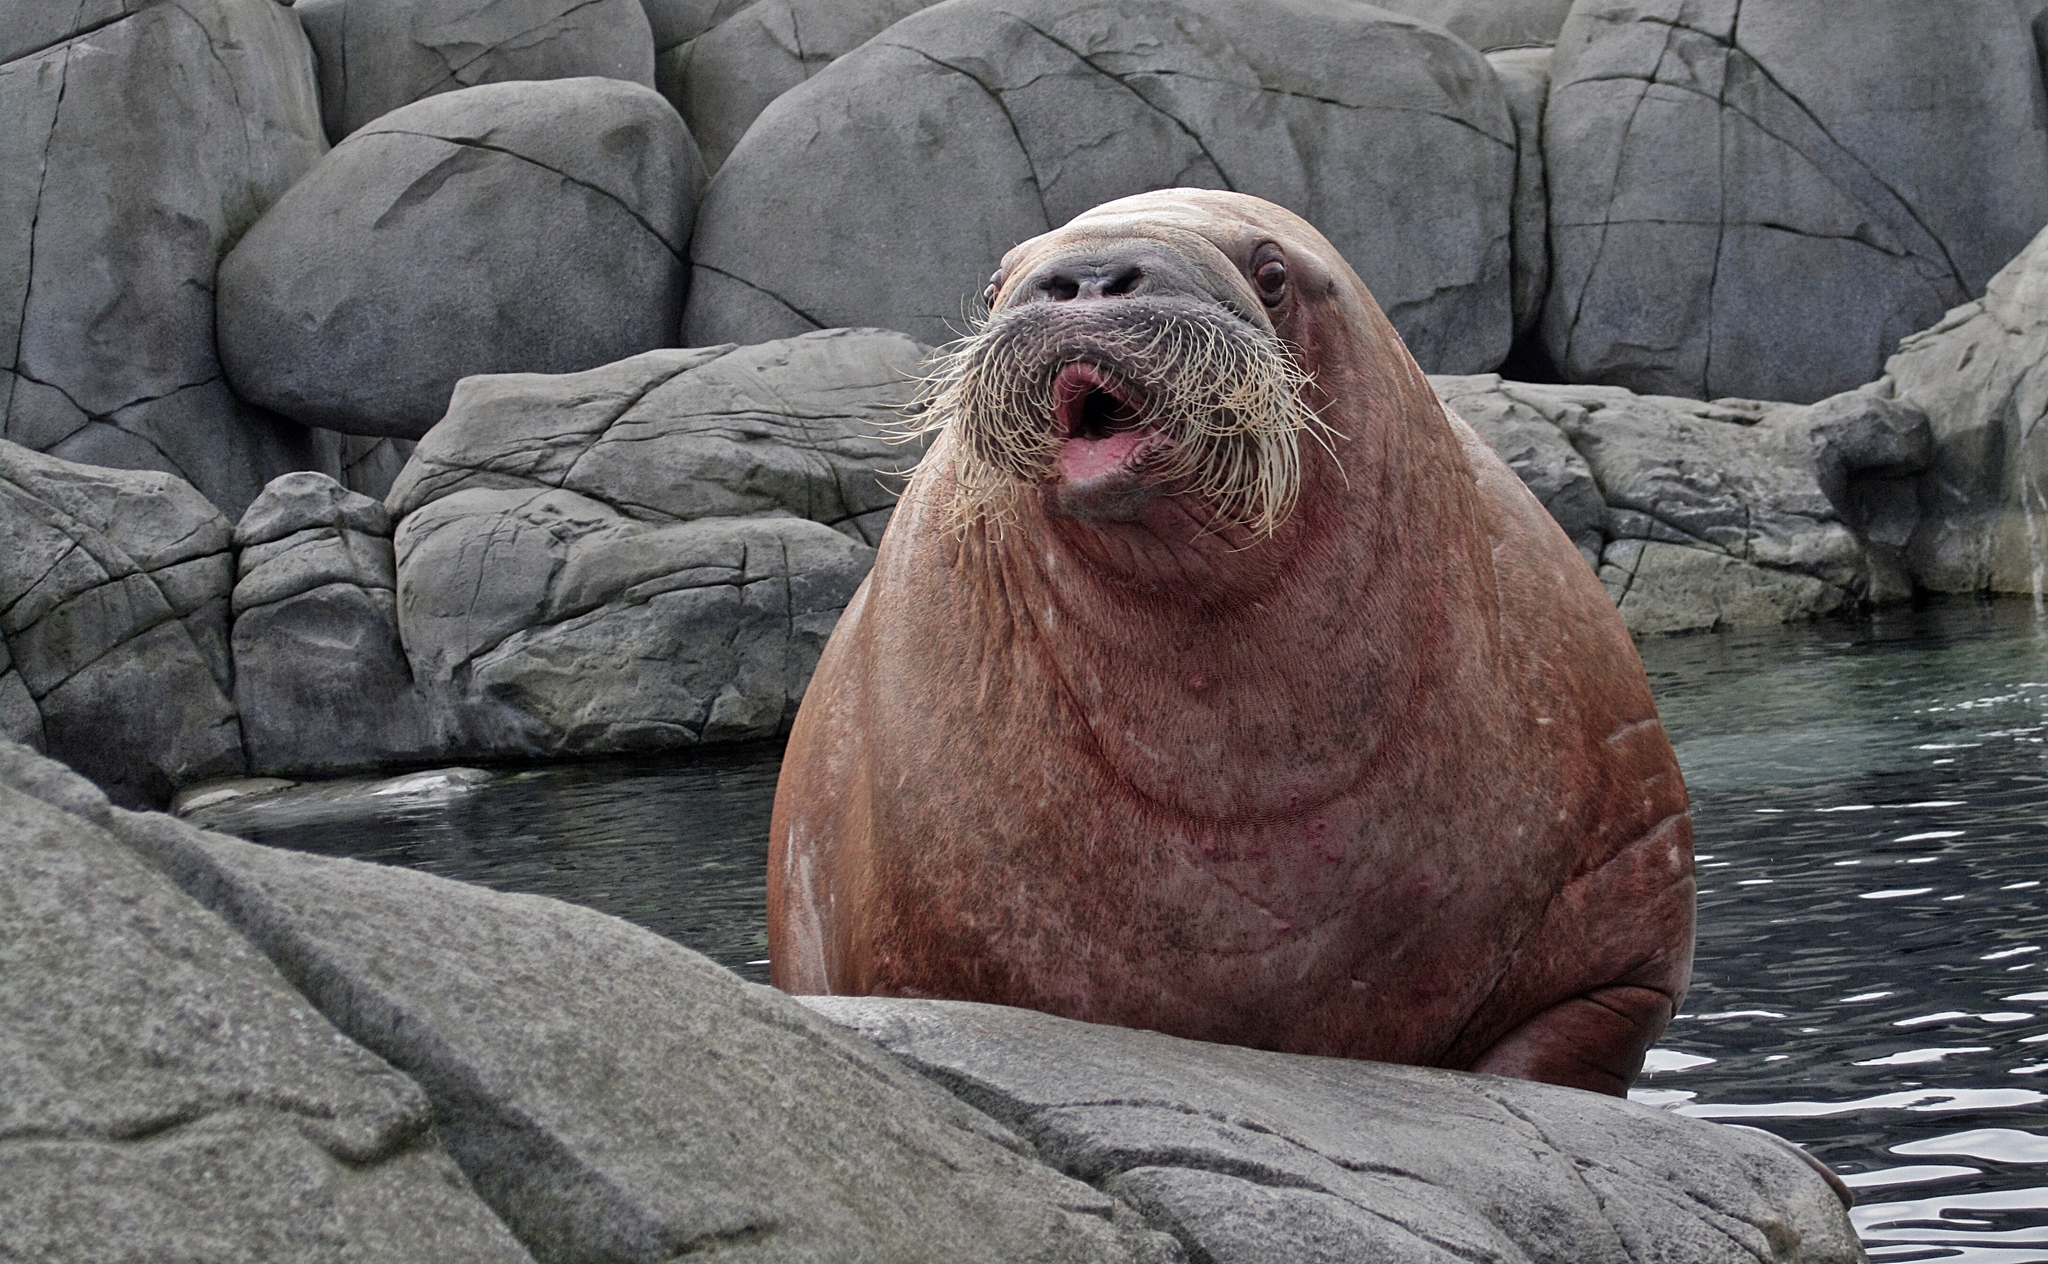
<point>1061,288</point>
<point>1125,281</point>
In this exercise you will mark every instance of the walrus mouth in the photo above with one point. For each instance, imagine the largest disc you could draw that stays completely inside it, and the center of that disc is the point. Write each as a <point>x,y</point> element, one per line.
<point>1113,404</point>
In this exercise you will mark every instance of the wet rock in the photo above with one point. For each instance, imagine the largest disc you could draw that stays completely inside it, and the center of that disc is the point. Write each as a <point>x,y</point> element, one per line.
<point>974,125</point>
<point>1765,208</point>
<point>1701,515</point>
<point>135,152</point>
<point>1488,25</point>
<point>1981,375</point>
<point>378,55</point>
<point>170,1095</point>
<point>321,679</point>
<point>1248,1155</point>
<point>729,74</point>
<point>617,1097</point>
<point>511,227</point>
<point>114,607</point>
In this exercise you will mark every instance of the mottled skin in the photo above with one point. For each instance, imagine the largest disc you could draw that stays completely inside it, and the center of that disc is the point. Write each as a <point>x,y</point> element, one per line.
<point>1389,784</point>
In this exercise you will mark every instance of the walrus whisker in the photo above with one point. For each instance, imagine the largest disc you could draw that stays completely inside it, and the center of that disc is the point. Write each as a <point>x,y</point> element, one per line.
<point>1228,401</point>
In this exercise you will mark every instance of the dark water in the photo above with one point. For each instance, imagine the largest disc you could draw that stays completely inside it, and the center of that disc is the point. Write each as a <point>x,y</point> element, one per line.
<point>1871,809</point>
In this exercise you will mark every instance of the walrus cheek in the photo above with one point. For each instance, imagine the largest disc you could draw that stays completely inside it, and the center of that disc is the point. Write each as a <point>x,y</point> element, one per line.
<point>1101,480</point>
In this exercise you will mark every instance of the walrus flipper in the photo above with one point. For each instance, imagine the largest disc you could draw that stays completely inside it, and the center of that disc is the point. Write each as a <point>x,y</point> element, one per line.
<point>1595,1040</point>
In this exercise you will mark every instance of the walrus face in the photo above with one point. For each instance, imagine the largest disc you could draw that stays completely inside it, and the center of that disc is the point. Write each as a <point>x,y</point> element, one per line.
<point>1127,358</point>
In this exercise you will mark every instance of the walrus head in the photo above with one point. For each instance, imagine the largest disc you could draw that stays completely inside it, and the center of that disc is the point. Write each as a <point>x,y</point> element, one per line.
<point>1131,355</point>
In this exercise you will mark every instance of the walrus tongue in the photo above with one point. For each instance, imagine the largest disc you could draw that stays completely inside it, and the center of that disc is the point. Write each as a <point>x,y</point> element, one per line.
<point>1082,459</point>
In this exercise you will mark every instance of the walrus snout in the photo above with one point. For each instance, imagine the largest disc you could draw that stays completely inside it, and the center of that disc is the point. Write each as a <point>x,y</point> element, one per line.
<point>1129,268</point>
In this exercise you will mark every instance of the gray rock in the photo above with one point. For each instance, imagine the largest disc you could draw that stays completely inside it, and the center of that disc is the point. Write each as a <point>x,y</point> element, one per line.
<point>1246,1155</point>
<point>321,679</point>
<point>134,153</point>
<point>1835,193</point>
<point>677,22</point>
<point>369,464</point>
<point>170,1096</point>
<point>1981,375</point>
<point>29,26</point>
<point>114,605</point>
<point>1488,25</point>
<point>1726,514</point>
<point>617,1097</point>
<point>884,189</point>
<point>1525,81</point>
<point>378,55</point>
<point>730,73</point>
<point>511,227</point>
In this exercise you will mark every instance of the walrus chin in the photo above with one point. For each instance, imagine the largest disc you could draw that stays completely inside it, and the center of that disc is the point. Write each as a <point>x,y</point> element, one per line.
<point>1110,405</point>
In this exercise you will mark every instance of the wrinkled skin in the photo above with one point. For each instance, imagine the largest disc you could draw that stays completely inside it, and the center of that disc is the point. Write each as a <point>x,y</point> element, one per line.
<point>1388,784</point>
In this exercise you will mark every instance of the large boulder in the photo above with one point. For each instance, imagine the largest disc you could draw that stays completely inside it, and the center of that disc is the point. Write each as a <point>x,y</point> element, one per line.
<point>619,1098</point>
<point>1525,82</point>
<point>1488,25</point>
<point>511,227</point>
<point>726,76</point>
<point>1727,514</point>
<point>377,55</point>
<point>651,554</point>
<point>1981,374</point>
<point>1250,1156</point>
<point>131,155</point>
<point>169,1095</point>
<point>321,679</point>
<point>1764,207</point>
<point>884,189</point>
<point>114,608</point>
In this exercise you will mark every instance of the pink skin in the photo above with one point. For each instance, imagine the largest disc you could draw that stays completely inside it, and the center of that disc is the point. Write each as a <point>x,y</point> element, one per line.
<point>1388,784</point>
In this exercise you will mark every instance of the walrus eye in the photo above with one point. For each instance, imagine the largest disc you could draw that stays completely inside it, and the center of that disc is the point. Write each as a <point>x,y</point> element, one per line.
<point>988,296</point>
<point>1271,279</point>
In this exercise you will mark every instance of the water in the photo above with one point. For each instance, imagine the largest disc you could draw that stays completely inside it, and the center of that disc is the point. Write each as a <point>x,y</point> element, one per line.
<point>1870,803</point>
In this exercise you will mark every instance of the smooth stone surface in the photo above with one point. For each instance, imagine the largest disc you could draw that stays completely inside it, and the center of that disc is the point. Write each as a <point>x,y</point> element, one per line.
<point>1246,1155</point>
<point>1488,25</point>
<point>1753,200</point>
<point>511,227</point>
<point>378,55</point>
<point>134,154</point>
<point>1525,81</point>
<point>730,73</point>
<point>114,602</point>
<point>321,679</point>
<point>1698,515</point>
<point>170,1096</point>
<point>29,26</point>
<point>1981,374</point>
<point>617,1097</point>
<point>884,189</point>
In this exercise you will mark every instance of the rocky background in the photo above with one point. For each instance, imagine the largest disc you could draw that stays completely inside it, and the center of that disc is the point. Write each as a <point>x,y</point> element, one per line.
<point>391,381</point>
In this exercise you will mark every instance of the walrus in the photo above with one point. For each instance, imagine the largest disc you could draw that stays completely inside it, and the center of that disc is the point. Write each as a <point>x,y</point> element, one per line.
<point>1214,678</point>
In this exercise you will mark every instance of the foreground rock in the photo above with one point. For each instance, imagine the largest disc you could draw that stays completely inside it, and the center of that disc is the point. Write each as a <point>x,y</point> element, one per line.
<point>616,1097</point>
<point>481,231</point>
<point>1488,25</point>
<point>1245,1155</point>
<point>378,55</point>
<point>113,602</point>
<point>1743,210</point>
<point>1733,513</point>
<point>883,190</point>
<point>1981,373</point>
<point>131,156</point>
<point>170,1095</point>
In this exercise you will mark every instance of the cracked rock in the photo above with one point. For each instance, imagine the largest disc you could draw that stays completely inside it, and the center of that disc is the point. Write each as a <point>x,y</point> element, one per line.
<point>1726,514</point>
<point>511,227</point>
<point>170,1095</point>
<point>114,609</point>
<point>1248,1156</point>
<point>1981,375</point>
<point>321,678</point>
<point>619,1098</point>
<point>725,77</point>
<point>884,189</point>
<point>134,153</point>
<point>378,55</point>
<point>1745,203</point>
<point>1525,81</point>
<point>649,554</point>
